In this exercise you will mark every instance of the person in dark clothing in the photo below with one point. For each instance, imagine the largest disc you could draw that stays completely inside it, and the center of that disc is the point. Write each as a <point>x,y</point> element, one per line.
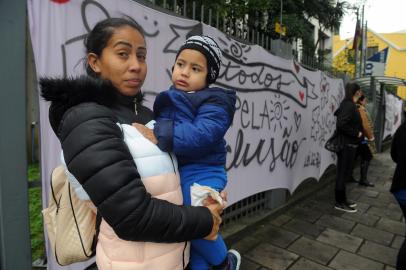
<point>398,188</point>
<point>89,115</point>
<point>349,128</point>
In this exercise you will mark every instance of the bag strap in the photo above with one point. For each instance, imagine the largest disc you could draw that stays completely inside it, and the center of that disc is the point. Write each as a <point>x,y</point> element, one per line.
<point>96,236</point>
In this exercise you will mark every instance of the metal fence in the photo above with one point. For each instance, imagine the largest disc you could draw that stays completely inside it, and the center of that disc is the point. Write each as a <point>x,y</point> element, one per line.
<point>239,29</point>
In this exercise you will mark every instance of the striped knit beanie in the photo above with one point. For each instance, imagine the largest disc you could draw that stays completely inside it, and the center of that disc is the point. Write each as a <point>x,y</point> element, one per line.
<point>209,48</point>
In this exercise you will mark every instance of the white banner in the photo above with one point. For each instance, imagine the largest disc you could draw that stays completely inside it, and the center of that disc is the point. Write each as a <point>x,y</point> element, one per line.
<point>393,114</point>
<point>284,112</point>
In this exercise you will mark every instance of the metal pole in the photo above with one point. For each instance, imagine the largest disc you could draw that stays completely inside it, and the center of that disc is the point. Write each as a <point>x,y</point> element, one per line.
<point>280,33</point>
<point>356,52</point>
<point>194,10</point>
<point>15,249</point>
<point>184,8</point>
<point>210,16</point>
<point>362,40</point>
<point>217,18</point>
<point>174,6</point>
<point>365,47</point>
<point>202,13</point>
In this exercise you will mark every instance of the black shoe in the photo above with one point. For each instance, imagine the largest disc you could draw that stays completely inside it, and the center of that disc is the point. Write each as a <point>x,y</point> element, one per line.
<point>344,207</point>
<point>366,184</point>
<point>351,203</point>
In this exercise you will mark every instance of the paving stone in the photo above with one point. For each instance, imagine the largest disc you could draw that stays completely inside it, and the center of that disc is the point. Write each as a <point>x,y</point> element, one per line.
<point>363,218</point>
<point>361,207</point>
<point>280,220</point>
<point>392,226</point>
<point>340,240</point>
<point>371,193</point>
<point>313,250</point>
<point>389,268</point>
<point>336,223</point>
<point>372,201</point>
<point>349,261</point>
<point>354,193</point>
<point>385,212</point>
<point>379,253</point>
<point>397,242</point>
<point>304,214</point>
<point>387,198</point>
<point>276,236</point>
<point>304,264</point>
<point>323,207</point>
<point>246,244</point>
<point>373,234</point>
<point>303,227</point>
<point>272,257</point>
<point>247,264</point>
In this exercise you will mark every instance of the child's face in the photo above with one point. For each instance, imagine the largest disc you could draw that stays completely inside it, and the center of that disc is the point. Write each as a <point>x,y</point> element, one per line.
<point>190,71</point>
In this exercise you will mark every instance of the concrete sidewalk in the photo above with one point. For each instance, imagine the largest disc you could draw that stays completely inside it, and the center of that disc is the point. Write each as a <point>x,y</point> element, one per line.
<point>313,235</point>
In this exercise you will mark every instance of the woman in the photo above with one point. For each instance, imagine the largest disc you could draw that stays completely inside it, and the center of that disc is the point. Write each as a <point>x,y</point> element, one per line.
<point>349,127</point>
<point>398,188</point>
<point>90,116</point>
<point>368,136</point>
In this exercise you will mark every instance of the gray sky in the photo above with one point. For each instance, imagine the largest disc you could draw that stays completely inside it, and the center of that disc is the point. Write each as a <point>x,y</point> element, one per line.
<point>383,16</point>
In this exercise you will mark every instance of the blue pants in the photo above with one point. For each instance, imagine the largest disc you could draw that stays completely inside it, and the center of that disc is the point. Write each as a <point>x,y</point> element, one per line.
<point>204,253</point>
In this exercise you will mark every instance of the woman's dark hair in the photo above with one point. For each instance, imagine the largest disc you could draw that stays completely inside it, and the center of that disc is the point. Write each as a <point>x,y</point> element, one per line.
<point>97,39</point>
<point>351,89</point>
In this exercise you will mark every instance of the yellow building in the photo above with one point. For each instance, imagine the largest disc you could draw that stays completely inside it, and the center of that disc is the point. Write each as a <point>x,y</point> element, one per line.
<point>396,61</point>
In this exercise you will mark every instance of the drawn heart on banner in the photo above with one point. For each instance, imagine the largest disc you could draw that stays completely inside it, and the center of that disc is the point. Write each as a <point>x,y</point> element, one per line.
<point>60,1</point>
<point>298,120</point>
<point>301,95</point>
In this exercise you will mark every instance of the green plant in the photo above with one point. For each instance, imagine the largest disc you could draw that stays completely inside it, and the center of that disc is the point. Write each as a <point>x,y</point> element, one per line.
<point>35,207</point>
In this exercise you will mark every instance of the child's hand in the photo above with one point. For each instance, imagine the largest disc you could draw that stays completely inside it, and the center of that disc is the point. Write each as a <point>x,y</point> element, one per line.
<point>146,132</point>
<point>211,200</point>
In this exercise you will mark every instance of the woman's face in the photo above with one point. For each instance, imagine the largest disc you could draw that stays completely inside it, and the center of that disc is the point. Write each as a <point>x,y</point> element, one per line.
<point>122,61</point>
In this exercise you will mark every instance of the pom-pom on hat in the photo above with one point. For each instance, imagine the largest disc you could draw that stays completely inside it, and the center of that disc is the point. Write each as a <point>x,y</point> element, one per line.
<point>209,48</point>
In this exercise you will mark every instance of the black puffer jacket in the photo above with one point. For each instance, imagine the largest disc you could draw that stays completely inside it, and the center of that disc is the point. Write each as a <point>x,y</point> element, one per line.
<point>83,114</point>
<point>349,122</point>
<point>398,154</point>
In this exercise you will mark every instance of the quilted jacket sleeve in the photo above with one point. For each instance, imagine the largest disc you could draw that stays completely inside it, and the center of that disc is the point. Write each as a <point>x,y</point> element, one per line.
<point>97,156</point>
<point>344,120</point>
<point>194,137</point>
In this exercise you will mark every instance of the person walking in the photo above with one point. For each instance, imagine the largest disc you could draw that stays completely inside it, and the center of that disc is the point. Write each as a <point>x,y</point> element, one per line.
<point>349,128</point>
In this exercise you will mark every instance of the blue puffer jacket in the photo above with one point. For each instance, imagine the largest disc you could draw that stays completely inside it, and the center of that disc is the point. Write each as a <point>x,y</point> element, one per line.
<point>193,124</point>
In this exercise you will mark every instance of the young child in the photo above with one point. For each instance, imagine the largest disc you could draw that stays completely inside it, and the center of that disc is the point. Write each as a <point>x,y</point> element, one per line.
<point>191,121</point>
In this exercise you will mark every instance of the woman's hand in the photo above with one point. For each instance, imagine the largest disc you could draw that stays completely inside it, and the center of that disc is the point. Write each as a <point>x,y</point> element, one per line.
<point>215,209</point>
<point>146,132</point>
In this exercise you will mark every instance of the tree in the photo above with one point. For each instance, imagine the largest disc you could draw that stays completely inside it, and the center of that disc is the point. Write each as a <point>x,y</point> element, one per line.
<point>261,15</point>
<point>328,14</point>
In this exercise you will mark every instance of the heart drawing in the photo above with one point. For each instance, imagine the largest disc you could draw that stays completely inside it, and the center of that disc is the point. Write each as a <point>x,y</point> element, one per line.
<point>298,120</point>
<point>301,95</point>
